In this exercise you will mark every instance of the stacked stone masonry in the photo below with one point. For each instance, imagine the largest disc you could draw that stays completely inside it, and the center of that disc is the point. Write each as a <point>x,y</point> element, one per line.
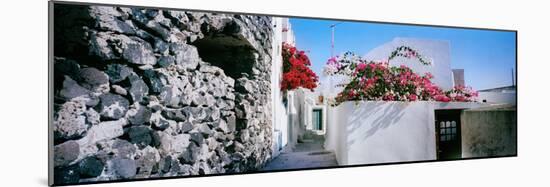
<point>147,93</point>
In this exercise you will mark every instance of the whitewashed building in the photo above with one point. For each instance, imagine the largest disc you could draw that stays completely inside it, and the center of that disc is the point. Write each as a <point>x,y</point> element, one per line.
<point>372,132</point>
<point>282,32</point>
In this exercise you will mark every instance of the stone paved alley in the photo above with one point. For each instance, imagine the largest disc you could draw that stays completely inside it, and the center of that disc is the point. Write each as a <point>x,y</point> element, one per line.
<point>308,154</point>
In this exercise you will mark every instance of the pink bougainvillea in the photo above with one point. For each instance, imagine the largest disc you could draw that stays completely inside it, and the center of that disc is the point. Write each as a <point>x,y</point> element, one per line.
<point>377,81</point>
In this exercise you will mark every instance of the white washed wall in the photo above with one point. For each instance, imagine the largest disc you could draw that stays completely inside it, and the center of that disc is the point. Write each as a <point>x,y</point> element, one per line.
<point>497,97</point>
<point>372,132</point>
<point>280,114</point>
<point>436,51</point>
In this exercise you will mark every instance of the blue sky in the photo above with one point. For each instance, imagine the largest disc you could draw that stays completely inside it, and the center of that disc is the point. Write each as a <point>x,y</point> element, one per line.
<point>486,56</point>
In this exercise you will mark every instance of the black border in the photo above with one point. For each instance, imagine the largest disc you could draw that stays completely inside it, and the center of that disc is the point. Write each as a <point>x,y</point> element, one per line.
<point>50,91</point>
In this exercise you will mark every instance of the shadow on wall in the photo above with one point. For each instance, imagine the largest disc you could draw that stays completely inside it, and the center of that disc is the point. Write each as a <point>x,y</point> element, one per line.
<point>379,115</point>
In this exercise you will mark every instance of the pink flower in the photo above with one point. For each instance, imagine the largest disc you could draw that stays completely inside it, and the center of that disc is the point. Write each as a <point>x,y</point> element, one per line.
<point>331,60</point>
<point>413,97</point>
<point>428,75</point>
<point>442,98</point>
<point>388,97</point>
<point>460,98</point>
<point>361,66</point>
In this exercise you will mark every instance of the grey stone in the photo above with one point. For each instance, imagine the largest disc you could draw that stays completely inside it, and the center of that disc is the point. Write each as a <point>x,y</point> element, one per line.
<point>187,126</point>
<point>143,21</point>
<point>209,100</point>
<point>237,156</point>
<point>137,51</point>
<point>222,125</point>
<point>213,114</point>
<point>66,153</point>
<point>186,55</point>
<point>151,13</point>
<point>162,48</point>
<point>176,114</point>
<point>90,167</point>
<point>165,61</point>
<point>210,69</point>
<point>173,144</point>
<point>244,86</point>
<point>212,143</point>
<point>66,175</point>
<point>231,122</point>
<point>138,89</point>
<point>118,72</point>
<point>153,81</point>
<point>158,122</point>
<point>92,78</point>
<point>162,124</point>
<point>92,117</point>
<point>217,92</point>
<point>63,67</point>
<point>229,81</point>
<point>197,113</point>
<point>220,136</point>
<point>123,149</point>
<point>229,96</point>
<point>191,155</point>
<point>170,96</point>
<point>198,99</point>
<point>109,46</point>
<point>106,19</point>
<point>124,168</point>
<point>197,137</point>
<point>70,120</point>
<point>139,116</point>
<point>112,106</point>
<point>145,67</point>
<point>71,89</point>
<point>179,17</point>
<point>148,158</point>
<point>245,135</point>
<point>103,131</point>
<point>204,129</point>
<point>166,164</point>
<point>140,135</point>
<point>119,90</point>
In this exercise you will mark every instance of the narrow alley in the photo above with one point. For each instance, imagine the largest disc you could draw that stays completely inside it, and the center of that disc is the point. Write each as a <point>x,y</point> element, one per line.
<point>309,153</point>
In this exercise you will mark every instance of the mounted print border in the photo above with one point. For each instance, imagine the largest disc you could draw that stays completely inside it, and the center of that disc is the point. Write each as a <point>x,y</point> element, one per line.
<point>143,93</point>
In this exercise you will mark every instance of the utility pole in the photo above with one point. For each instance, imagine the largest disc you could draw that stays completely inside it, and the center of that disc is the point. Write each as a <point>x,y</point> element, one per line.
<point>332,39</point>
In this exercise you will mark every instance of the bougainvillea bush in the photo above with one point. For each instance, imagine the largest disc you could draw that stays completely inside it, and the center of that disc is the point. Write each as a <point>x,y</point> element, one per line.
<point>377,81</point>
<point>296,71</point>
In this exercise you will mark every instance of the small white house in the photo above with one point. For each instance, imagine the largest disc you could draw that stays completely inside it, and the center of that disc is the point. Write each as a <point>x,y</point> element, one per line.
<point>503,95</point>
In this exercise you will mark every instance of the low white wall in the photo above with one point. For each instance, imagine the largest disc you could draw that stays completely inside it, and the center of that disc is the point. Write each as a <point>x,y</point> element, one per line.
<point>497,97</point>
<point>370,132</point>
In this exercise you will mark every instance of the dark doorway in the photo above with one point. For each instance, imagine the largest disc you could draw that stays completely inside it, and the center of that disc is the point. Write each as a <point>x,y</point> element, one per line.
<point>447,125</point>
<point>317,119</point>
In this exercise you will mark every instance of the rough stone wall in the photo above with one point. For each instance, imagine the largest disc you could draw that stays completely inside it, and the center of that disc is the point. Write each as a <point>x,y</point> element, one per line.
<point>143,93</point>
<point>489,132</point>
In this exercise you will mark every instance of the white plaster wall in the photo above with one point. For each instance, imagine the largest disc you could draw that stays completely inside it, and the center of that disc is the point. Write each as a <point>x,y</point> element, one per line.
<point>288,35</point>
<point>436,51</point>
<point>497,97</point>
<point>280,114</point>
<point>370,132</point>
